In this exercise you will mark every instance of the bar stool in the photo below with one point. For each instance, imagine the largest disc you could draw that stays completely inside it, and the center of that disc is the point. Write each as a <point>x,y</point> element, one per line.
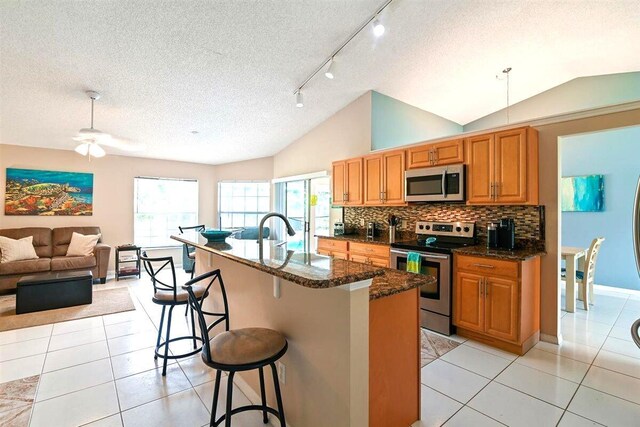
<point>170,295</point>
<point>191,255</point>
<point>240,350</point>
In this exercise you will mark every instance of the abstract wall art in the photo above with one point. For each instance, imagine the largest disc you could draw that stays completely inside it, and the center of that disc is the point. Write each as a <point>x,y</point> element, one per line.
<point>583,193</point>
<point>46,193</point>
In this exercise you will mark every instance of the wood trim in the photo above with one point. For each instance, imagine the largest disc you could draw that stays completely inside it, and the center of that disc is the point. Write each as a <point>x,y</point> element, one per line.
<point>530,297</point>
<point>533,166</point>
<point>394,360</point>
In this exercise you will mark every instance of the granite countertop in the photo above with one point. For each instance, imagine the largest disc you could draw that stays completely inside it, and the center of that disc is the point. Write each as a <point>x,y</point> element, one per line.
<point>303,268</point>
<point>518,254</point>
<point>395,281</point>
<point>382,239</point>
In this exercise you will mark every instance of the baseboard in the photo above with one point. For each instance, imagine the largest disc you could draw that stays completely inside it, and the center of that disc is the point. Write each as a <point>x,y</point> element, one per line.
<point>553,339</point>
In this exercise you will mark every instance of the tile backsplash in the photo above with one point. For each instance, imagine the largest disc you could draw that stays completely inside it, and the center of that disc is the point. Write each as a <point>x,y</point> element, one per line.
<point>529,219</point>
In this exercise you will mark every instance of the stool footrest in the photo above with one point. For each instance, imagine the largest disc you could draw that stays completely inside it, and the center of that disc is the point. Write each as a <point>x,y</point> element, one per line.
<point>249,408</point>
<point>178,356</point>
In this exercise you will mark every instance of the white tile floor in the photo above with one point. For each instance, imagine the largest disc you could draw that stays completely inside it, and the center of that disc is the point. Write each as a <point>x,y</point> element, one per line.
<point>592,379</point>
<point>100,372</point>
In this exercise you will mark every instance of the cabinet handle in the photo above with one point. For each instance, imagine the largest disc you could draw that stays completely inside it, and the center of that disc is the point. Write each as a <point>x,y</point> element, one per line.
<point>480,290</point>
<point>491,191</point>
<point>435,156</point>
<point>431,156</point>
<point>484,265</point>
<point>486,288</point>
<point>384,196</point>
<point>497,190</point>
<point>346,197</point>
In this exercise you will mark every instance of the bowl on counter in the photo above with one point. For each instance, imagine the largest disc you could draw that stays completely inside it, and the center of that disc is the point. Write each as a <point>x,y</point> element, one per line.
<point>215,235</point>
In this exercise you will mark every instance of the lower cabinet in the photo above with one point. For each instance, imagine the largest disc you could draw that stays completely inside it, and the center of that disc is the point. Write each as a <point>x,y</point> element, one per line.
<point>365,253</point>
<point>497,301</point>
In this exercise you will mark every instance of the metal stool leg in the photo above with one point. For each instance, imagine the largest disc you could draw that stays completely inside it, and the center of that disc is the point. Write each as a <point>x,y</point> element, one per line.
<point>155,356</point>
<point>265,418</point>
<point>166,345</point>
<point>193,327</point>
<point>227,415</point>
<point>193,268</point>
<point>276,385</point>
<point>214,405</point>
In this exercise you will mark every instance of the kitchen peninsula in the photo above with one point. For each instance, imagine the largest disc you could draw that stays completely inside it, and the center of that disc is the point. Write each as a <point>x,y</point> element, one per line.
<point>354,350</point>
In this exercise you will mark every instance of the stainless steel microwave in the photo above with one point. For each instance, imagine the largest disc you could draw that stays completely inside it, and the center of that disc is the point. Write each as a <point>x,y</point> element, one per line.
<point>436,184</point>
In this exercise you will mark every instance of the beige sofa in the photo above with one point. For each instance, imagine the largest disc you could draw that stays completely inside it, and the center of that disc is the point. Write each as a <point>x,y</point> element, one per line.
<point>51,246</point>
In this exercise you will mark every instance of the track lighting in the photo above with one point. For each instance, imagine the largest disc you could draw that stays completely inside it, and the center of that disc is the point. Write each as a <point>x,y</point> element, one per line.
<point>299,102</point>
<point>329,73</point>
<point>378,28</point>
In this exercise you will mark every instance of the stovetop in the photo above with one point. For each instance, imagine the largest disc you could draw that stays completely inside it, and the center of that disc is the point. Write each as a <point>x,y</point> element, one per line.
<point>439,237</point>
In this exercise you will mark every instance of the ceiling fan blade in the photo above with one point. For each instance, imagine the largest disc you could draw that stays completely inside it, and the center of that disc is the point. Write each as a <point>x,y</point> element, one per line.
<point>123,144</point>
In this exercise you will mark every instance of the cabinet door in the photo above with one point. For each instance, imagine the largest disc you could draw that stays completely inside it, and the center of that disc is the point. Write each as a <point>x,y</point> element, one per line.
<point>420,156</point>
<point>373,180</point>
<point>448,152</point>
<point>354,181</point>
<point>468,302</point>
<point>511,166</point>
<point>338,189</point>
<point>379,262</point>
<point>480,155</point>
<point>501,308</point>
<point>393,182</point>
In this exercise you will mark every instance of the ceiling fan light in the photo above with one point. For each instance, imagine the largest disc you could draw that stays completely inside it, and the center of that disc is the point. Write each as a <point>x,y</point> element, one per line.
<point>329,73</point>
<point>299,100</point>
<point>96,151</point>
<point>82,149</point>
<point>378,28</point>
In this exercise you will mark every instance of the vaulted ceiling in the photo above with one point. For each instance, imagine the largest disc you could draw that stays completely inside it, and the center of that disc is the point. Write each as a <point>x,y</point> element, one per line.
<point>228,69</point>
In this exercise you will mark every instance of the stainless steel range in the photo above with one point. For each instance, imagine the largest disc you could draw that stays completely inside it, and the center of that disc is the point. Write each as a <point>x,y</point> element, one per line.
<point>435,242</point>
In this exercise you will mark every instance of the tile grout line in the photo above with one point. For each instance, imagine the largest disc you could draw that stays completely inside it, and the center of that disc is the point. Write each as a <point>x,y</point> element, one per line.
<point>33,406</point>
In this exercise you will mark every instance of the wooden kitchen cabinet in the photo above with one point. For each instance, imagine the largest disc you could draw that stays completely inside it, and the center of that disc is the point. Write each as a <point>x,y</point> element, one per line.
<point>365,253</point>
<point>438,154</point>
<point>346,186</point>
<point>502,167</point>
<point>497,301</point>
<point>384,179</point>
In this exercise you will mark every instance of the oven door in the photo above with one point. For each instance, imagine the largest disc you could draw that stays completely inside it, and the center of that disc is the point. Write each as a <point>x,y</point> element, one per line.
<point>435,297</point>
<point>437,184</point>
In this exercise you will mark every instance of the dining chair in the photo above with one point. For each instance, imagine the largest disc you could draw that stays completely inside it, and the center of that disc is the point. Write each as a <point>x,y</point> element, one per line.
<point>586,278</point>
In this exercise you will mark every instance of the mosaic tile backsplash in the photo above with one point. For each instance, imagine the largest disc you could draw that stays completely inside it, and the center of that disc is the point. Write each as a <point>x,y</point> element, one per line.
<point>529,219</point>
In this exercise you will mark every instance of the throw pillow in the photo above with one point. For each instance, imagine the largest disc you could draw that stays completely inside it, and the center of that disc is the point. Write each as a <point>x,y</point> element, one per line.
<point>17,250</point>
<point>82,245</point>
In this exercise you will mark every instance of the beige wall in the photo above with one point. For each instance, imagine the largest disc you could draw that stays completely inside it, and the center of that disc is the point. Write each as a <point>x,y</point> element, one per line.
<point>345,134</point>
<point>550,198</point>
<point>113,186</point>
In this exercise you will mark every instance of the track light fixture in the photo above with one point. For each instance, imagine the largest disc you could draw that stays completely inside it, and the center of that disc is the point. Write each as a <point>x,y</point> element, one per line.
<point>378,30</point>
<point>329,73</point>
<point>299,101</point>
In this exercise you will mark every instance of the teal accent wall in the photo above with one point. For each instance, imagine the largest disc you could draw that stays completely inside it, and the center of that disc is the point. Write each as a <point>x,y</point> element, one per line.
<point>615,155</point>
<point>395,123</point>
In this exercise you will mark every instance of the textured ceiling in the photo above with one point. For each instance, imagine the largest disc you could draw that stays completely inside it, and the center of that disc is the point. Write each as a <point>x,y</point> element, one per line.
<point>228,68</point>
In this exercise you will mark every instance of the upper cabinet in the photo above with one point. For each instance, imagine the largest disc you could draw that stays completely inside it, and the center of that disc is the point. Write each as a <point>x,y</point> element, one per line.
<point>503,167</point>
<point>347,182</point>
<point>441,153</point>
<point>384,178</point>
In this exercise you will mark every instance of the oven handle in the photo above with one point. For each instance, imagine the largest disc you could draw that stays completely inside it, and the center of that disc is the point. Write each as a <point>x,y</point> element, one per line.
<point>422,254</point>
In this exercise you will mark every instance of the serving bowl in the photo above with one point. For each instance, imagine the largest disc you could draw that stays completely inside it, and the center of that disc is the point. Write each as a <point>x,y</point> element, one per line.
<point>215,235</point>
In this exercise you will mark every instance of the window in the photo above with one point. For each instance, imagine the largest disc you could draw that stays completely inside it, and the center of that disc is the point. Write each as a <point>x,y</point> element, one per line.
<point>160,206</point>
<point>242,204</point>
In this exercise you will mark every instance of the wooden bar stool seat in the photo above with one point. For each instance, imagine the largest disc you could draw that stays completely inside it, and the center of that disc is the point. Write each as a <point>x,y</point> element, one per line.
<point>241,350</point>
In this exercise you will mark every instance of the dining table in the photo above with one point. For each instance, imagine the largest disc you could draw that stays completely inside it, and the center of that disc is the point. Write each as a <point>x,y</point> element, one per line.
<point>574,259</point>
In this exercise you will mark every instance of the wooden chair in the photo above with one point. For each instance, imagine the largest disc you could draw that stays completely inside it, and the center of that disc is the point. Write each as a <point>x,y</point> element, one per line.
<point>587,277</point>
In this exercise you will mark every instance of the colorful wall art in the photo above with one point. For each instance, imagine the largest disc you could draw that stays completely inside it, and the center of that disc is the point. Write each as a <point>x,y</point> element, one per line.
<point>583,193</point>
<point>38,192</point>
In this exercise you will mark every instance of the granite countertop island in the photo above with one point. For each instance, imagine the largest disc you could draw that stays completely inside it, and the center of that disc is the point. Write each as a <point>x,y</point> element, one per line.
<point>352,329</point>
<point>311,270</point>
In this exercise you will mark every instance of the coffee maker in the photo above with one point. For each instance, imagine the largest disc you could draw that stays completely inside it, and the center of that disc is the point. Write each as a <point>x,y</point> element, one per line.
<point>371,230</point>
<point>506,233</point>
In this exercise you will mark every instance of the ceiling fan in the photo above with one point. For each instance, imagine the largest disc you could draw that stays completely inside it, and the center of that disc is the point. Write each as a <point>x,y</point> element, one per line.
<point>91,139</point>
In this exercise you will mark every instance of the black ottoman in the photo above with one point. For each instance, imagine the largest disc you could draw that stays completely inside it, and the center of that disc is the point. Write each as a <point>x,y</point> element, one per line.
<point>47,291</point>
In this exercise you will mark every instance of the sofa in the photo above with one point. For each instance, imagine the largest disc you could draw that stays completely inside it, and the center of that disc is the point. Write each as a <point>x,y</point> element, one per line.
<point>51,247</point>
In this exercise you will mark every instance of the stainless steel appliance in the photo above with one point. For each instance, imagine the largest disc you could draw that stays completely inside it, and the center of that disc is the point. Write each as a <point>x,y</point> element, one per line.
<point>338,228</point>
<point>435,242</point>
<point>436,184</point>
<point>371,230</point>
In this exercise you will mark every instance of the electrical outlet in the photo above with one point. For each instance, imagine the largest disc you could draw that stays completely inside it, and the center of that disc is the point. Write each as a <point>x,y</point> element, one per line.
<point>282,372</point>
<point>362,222</point>
<point>403,223</point>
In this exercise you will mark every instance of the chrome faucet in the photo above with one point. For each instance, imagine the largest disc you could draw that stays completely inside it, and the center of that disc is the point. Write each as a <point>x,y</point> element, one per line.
<point>290,230</point>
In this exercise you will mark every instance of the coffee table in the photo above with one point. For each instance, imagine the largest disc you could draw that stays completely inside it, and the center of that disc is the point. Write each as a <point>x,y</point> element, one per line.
<point>56,289</point>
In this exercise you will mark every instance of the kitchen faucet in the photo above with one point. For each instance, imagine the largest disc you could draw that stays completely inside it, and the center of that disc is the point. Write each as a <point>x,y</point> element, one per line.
<point>290,229</point>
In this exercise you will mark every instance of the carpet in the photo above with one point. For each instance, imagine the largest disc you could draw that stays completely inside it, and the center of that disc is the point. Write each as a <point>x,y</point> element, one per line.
<point>434,346</point>
<point>105,301</point>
